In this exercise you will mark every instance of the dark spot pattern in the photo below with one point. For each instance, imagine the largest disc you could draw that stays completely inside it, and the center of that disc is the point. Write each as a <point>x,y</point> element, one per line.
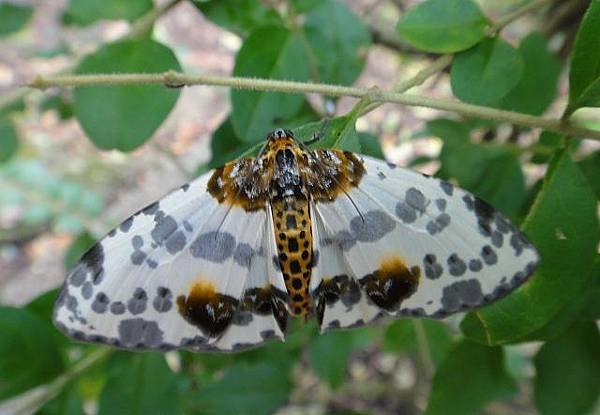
<point>461,294</point>
<point>475,265</point>
<point>456,266</point>
<point>100,303</point>
<point>243,254</point>
<point>126,224</point>
<point>175,242</point>
<point>433,269</point>
<point>163,301</point>
<point>78,276</point>
<point>117,308</point>
<point>164,227</point>
<point>87,290</point>
<point>438,225</point>
<point>137,303</point>
<point>213,246</point>
<point>447,187</point>
<point>137,242</point>
<point>138,257</point>
<point>489,255</point>
<point>137,333</point>
<point>375,226</point>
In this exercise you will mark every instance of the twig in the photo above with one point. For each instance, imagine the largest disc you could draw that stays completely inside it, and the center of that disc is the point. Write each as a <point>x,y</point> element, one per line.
<point>171,78</point>
<point>504,21</point>
<point>30,401</point>
<point>424,349</point>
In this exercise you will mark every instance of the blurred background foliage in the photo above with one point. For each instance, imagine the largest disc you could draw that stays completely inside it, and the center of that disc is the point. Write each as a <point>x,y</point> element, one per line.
<point>537,351</point>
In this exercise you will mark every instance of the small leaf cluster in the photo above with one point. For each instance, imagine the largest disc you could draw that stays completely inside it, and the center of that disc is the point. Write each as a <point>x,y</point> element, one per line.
<point>549,324</point>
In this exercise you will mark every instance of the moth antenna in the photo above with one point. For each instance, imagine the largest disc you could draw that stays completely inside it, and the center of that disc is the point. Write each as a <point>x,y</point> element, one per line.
<point>319,134</point>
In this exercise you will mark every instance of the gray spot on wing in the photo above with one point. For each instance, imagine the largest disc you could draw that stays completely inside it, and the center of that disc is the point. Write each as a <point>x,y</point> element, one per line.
<point>137,304</point>
<point>151,209</point>
<point>152,263</point>
<point>438,225</point>
<point>126,224</point>
<point>100,303</point>
<point>137,332</point>
<point>175,242</point>
<point>375,226</point>
<point>519,242</point>
<point>117,308</point>
<point>137,242</point>
<point>433,269</point>
<point>475,265</point>
<point>406,213</point>
<point>87,290</point>
<point>416,199</point>
<point>163,300</point>
<point>78,276</point>
<point>447,187</point>
<point>276,263</point>
<point>456,266</point>
<point>462,294</point>
<point>137,257</point>
<point>489,255</point>
<point>441,204</point>
<point>243,254</point>
<point>268,334</point>
<point>187,226</point>
<point>345,240</point>
<point>213,246</point>
<point>165,226</point>
<point>497,239</point>
<point>242,318</point>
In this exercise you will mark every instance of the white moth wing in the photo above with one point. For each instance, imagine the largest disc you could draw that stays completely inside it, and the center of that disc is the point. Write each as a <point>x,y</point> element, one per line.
<point>467,254</point>
<point>126,290</point>
<point>349,307</point>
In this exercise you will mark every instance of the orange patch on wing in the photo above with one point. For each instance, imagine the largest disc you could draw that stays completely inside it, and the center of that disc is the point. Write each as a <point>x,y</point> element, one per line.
<point>391,283</point>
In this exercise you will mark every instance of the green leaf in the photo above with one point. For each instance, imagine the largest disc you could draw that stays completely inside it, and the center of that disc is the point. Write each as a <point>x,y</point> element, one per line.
<point>13,17</point>
<point>124,117</point>
<point>567,371</point>
<point>550,142</point>
<point>485,73</point>
<point>269,52</point>
<point>85,12</point>
<point>60,104</point>
<point>338,41</point>
<point>9,142</point>
<point>78,247</point>
<point>29,355</point>
<point>584,76</point>
<point>329,353</point>
<point>590,166</point>
<point>443,26</point>
<point>225,145</point>
<point>245,389</point>
<point>490,171</point>
<point>140,383</point>
<point>403,335</point>
<point>239,16</point>
<point>68,402</point>
<point>370,145</point>
<point>537,87</point>
<point>563,225</point>
<point>471,376</point>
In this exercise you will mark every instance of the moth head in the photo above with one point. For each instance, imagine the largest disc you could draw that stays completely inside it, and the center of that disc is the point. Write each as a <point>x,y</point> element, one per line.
<point>280,138</point>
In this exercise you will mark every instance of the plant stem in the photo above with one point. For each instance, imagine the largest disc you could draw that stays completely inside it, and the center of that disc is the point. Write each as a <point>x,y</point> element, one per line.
<point>507,19</point>
<point>54,387</point>
<point>171,78</point>
<point>424,349</point>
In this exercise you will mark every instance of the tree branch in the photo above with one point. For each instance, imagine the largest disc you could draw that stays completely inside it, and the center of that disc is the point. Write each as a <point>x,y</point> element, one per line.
<point>171,79</point>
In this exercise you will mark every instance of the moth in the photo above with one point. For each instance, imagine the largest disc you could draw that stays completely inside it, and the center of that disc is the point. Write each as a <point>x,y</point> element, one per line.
<point>222,263</point>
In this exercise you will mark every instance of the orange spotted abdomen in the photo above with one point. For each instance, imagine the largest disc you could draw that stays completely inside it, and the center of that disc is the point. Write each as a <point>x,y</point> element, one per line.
<point>293,236</point>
